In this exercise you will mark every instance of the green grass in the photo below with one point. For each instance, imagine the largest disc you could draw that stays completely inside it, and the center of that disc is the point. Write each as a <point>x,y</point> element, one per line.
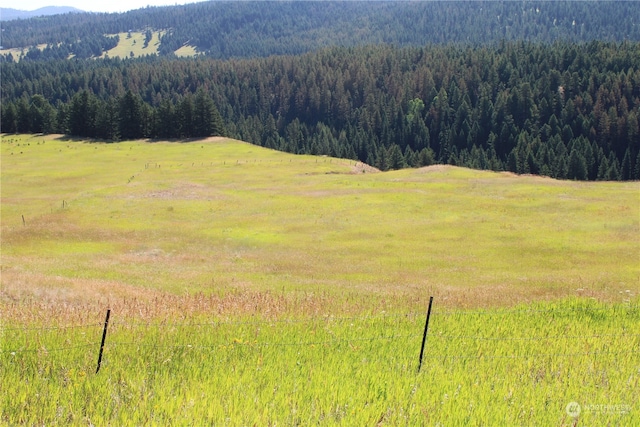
<point>127,47</point>
<point>134,45</point>
<point>245,215</point>
<point>18,53</point>
<point>186,51</point>
<point>515,367</point>
<point>253,287</point>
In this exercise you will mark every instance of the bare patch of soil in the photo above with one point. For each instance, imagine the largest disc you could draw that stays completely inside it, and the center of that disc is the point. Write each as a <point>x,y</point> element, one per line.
<point>360,167</point>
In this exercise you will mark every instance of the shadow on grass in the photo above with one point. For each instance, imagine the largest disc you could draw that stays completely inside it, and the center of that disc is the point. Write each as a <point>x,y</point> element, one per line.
<point>71,138</point>
<point>177,140</point>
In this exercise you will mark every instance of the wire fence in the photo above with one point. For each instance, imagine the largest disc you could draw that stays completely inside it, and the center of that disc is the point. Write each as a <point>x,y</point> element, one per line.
<point>449,340</point>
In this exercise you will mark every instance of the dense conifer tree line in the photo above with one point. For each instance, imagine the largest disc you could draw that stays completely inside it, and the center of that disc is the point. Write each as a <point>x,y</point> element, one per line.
<point>223,29</point>
<point>116,118</point>
<point>564,110</point>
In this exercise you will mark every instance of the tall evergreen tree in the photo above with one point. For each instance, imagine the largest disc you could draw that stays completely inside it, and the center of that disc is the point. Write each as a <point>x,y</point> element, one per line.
<point>82,115</point>
<point>396,158</point>
<point>185,117</point>
<point>108,120</point>
<point>577,168</point>
<point>131,124</point>
<point>165,123</point>
<point>9,118</point>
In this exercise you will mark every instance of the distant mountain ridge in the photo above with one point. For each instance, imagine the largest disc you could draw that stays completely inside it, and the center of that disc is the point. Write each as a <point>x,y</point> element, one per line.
<point>8,14</point>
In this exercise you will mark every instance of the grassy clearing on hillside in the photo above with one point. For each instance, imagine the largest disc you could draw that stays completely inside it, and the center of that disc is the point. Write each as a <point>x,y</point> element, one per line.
<point>128,47</point>
<point>186,51</point>
<point>249,286</point>
<point>133,46</point>
<point>18,53</point>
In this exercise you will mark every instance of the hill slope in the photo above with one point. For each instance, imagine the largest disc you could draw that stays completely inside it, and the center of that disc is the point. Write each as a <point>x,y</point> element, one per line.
<point>222,213</point>
<point>562,110</point>
<point>242,29</point>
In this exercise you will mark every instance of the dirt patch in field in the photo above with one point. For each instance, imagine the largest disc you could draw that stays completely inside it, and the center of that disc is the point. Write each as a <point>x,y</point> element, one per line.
<point>360,167</point>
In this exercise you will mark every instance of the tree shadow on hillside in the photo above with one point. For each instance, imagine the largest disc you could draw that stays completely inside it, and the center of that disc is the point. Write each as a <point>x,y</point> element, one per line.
<point>178,140</point>
<point>71,138</point>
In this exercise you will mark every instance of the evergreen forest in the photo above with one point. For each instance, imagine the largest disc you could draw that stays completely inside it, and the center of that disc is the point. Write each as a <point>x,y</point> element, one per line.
<point>559,98</point>
<point>234,29</point>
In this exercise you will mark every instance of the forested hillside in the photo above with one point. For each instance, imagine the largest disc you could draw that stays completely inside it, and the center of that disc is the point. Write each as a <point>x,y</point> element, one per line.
<point>564,110</point>
<point>248,29</point>
<point>549,88</point>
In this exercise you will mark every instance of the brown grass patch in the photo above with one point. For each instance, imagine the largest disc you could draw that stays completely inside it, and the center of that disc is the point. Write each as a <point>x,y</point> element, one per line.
<point>31,298</point>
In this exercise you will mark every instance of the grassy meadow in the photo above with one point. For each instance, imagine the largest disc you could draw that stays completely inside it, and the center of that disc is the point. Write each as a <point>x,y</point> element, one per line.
<point>253,287</point>
<point>18,53</point>
<point>131,45</point>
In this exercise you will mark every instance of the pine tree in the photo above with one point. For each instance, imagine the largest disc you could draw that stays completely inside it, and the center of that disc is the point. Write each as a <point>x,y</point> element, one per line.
<point>636,170</point>
<point>165,125</point>
<point>62,118</point>
<point>577,168</point>
<point>82,115</point>
<point>131,119</point>
<point>23,116</point>
<point>410,157</point>
<point>382,161</point>
<point>202,114</point>
<point>426,157</point>
<point>603,169</point>
<point>8,118</point>
<point>396,159</point>
<point>613,173</point>
<point>512,162</point>
<point>108,120</point>
<point>626,170</point>
<point>185,117</point>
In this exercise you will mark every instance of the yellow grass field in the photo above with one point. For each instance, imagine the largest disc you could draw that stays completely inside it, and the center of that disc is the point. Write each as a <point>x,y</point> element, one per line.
<point>186,51</point>
<point>128,47</point>
<point>17,53</point>
<point>220,215</point>
<point>253,287</point>
<point>131,47</point>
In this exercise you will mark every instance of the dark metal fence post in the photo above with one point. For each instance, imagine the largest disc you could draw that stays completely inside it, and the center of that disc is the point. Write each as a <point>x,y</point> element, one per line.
<point>104,337</point>
<point>424,336</point>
